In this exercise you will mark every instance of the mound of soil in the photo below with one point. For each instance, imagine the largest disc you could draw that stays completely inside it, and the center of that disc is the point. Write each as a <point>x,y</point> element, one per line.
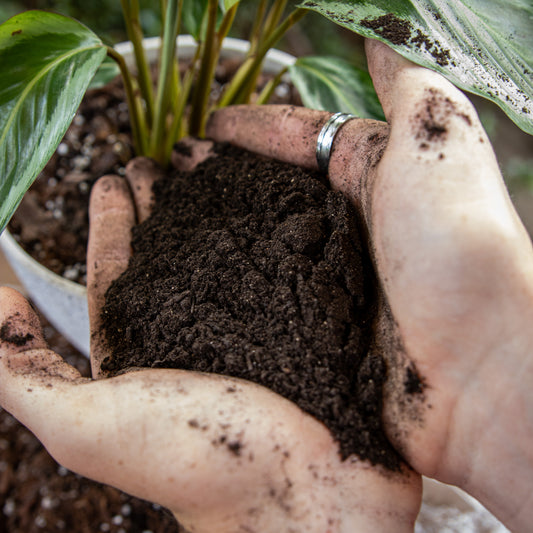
<point>257,269</point>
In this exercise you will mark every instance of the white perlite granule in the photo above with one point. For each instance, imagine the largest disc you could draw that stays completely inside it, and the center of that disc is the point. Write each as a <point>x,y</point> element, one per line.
<point>448,510</point>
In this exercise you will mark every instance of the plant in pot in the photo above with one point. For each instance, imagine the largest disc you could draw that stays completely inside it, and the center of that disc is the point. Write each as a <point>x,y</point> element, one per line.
<point>390,27</point>
<point>65,300</point>
<point>61,69</point>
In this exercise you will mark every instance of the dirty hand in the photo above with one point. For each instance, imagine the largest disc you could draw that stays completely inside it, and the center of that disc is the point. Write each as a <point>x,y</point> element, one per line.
<point>455,265</point>
<point>223,454</point>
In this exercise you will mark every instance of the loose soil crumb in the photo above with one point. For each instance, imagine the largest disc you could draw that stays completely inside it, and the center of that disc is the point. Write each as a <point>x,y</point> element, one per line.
<point>256,269</point>
<point>401,32</point>
<point>390,27</point>
<point>414,384</point>
<point>432,120</point>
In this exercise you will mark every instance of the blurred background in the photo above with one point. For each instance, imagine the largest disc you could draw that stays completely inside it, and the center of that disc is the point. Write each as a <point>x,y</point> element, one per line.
<point>314,35</point>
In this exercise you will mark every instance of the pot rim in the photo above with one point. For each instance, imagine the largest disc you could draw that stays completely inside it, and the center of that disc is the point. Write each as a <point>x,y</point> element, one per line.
<point>13,249</point>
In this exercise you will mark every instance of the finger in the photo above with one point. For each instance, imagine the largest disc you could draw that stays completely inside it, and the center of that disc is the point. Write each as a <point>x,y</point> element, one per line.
<point>287,133</point>
<point>141,173</point>
<point>191,152</point>
<point>20,326</point>
<point>438,180</point>
<point>421,103</point>
<point>290,134</point>
<point>112,215</point>
<point>25,360</point>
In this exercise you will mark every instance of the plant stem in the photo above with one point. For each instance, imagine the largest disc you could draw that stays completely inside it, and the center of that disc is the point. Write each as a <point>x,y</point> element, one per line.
<point>251,66</point>
<point>255,34</point>
<point>274,16</point>
<point>138,124</point>
<point>164,84</point>
<point>130,9</point>
<point>208,64</point>
<point>270,87</point>
<point>226,23</point>
<point>177,129</point>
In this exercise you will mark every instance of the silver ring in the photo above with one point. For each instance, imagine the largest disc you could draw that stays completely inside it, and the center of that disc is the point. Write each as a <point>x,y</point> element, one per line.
<point>326,137</point>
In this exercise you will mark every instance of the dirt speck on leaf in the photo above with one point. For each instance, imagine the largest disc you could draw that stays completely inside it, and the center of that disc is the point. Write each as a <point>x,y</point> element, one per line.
<point>398,31</point>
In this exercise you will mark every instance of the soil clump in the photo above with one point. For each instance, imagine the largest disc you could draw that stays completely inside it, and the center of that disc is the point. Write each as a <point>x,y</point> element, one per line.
<point>256,269</point>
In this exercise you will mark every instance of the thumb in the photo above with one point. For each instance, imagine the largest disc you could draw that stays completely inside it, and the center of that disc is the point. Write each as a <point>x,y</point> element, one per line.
<point>439,203</point>
<point>27,367</point>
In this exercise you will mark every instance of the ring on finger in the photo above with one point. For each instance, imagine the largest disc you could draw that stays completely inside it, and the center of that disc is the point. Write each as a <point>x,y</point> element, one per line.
<point>326,137</point>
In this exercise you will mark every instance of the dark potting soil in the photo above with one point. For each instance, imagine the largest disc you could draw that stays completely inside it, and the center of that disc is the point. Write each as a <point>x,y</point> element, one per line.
<point>8,335</point>
<point>257,269</point>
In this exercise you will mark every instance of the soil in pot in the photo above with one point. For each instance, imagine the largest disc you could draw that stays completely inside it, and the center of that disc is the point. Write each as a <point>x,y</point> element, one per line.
<point>52,223</point>
<point>256,269</point>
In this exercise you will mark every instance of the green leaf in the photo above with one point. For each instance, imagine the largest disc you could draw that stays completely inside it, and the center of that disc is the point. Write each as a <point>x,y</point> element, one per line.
<point>227,4</point>
<point>482,46</point>
<point>47,61</point>
<point>332,84</point>
<point>107,72</point>
<point>193,14</point>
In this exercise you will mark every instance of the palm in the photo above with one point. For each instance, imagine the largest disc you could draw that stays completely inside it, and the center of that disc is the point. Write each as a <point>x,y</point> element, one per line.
<point>448,283</point>
<point>224,455</point>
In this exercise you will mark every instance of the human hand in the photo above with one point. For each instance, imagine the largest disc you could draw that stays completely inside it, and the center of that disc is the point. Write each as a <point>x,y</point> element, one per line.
<point>455,265</point>
<point>223,454</point>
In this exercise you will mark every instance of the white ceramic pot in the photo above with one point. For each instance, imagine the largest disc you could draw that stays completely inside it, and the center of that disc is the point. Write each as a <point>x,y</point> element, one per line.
<point>64,302</point>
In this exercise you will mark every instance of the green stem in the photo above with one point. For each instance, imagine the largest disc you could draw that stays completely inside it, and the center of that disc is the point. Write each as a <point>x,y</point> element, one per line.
<point>164,84</point>
<point>274,16</point>
<point>130,9</point>
<point>252,65</point>
<point>208,64</point>
<point>227,22</point>
<point>255,34</point>
<point>138,124</point>
<point>177,129</point>
<point>270,87</point>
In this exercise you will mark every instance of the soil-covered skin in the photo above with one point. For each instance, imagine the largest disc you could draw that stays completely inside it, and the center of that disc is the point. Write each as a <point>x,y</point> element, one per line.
<point>37,495</point>
<point>7,334</point>
<point>256,269</point>
<point>52,222</point>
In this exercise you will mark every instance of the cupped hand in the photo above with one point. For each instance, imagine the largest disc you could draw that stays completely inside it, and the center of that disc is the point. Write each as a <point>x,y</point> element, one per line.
<point>456,269</point>
<point>223,454</point>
